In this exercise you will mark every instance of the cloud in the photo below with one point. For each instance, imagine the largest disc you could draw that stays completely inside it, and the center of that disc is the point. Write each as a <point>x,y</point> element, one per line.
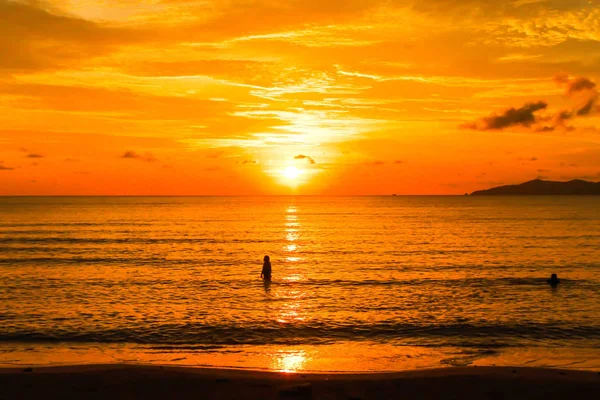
<point>376,163</point>
<point>303,157</point>
<point>580,84</point>
<point>398,162</point>
<point>5,168</point>
<point>546,129</point>
<point>587,108</point>
<point>581,91</point>
<point>246,162</point>
<point>48,39</point>
<point>148,157</point>
<point>524,116</point>
<point>34,155</point>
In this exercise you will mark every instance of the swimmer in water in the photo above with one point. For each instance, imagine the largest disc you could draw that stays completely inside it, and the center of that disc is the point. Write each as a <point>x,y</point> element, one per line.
<point>266,269</point>
<point>553,281</point>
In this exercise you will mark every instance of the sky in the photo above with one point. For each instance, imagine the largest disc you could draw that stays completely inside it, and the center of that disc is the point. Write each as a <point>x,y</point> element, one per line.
<point>337,97</point>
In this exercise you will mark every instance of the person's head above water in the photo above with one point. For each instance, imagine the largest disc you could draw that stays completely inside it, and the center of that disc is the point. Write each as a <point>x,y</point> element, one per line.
<point>554,280</point>
<point>266,259</point>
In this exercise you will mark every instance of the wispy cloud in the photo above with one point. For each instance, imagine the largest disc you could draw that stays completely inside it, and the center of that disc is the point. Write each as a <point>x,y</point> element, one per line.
<point>303,157</point>
<point>147,157</point>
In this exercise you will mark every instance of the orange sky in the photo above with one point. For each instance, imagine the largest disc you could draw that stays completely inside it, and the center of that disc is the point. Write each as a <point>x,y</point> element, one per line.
<point>359,96</point>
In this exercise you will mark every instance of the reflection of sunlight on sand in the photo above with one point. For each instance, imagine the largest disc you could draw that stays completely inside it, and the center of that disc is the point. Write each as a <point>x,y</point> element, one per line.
<point>289,361</point>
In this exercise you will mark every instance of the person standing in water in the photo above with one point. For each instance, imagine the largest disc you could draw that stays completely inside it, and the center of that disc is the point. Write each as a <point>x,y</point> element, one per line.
<point>266,269</point>
<point>554,281</point>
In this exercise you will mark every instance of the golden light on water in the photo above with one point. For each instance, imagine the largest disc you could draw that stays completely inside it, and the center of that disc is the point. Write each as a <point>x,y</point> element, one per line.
<point>291,309</point>
<point>289,361</point>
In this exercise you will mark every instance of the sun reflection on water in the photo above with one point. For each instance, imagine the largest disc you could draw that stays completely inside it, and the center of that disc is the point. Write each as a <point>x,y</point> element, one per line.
<point>291,247</point>
<point>289,361</point>
<point>291,309</point>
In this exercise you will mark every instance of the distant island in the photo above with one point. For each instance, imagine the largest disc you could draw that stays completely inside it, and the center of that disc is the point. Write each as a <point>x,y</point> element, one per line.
<point>540,187</point>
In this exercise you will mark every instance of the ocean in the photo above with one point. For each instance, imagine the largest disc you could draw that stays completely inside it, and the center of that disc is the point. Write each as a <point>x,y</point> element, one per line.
<point>359,283</point>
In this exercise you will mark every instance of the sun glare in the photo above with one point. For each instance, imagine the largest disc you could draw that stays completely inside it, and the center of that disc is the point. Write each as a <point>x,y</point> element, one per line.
<point>292,173</point>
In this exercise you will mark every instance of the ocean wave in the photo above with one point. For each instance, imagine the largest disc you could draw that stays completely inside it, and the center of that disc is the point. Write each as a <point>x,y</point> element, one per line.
<point>457,334</point>
<point>137,240</point>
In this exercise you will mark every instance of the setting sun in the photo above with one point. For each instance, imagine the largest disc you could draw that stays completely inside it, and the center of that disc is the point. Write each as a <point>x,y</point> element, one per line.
<point>292,173</point>
<point>300,199</point>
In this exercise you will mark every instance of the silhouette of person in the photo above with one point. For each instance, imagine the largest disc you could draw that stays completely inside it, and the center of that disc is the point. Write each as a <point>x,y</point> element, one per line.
<point>553,281</point>
<point>267,286</point>
<point>266,269</point>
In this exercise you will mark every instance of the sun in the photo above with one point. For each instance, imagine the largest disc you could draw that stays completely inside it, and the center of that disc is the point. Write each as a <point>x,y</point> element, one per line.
<point>291,173</point>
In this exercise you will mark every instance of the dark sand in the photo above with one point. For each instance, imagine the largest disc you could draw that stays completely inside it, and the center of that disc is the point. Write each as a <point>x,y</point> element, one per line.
<point>154,382</point>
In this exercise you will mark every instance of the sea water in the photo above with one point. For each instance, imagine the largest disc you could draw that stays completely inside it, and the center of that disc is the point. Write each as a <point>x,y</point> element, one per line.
<point>359,283</point>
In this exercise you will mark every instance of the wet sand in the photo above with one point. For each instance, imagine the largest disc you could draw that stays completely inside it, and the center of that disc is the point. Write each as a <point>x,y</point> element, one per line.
<point>155,382</point>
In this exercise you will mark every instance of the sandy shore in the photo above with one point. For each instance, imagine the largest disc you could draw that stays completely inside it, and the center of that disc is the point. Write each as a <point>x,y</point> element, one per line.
<point>154,382</point>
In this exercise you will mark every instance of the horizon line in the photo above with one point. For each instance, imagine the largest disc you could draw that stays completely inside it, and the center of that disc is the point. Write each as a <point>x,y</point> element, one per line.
<point>234,195</point>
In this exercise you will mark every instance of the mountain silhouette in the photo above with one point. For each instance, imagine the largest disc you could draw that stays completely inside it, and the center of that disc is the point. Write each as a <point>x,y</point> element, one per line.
<point>540,187</point>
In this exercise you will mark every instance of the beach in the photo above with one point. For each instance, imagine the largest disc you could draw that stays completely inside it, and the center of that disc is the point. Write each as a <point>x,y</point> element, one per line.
<point>161,382</point>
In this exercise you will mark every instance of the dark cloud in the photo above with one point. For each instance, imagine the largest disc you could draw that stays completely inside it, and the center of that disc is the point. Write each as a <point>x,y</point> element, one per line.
<point>533,159</point>
<point>565,115</point>
<point>398,162</point>
<point>303,157</point>
<point>588,108</point>
<point>148,157</point>
<point>524,116</point>
<point>580,84</point>
<point>246,162</point>
<point>581,90</point>
<point>34,155</point>
<point>5,168</point>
